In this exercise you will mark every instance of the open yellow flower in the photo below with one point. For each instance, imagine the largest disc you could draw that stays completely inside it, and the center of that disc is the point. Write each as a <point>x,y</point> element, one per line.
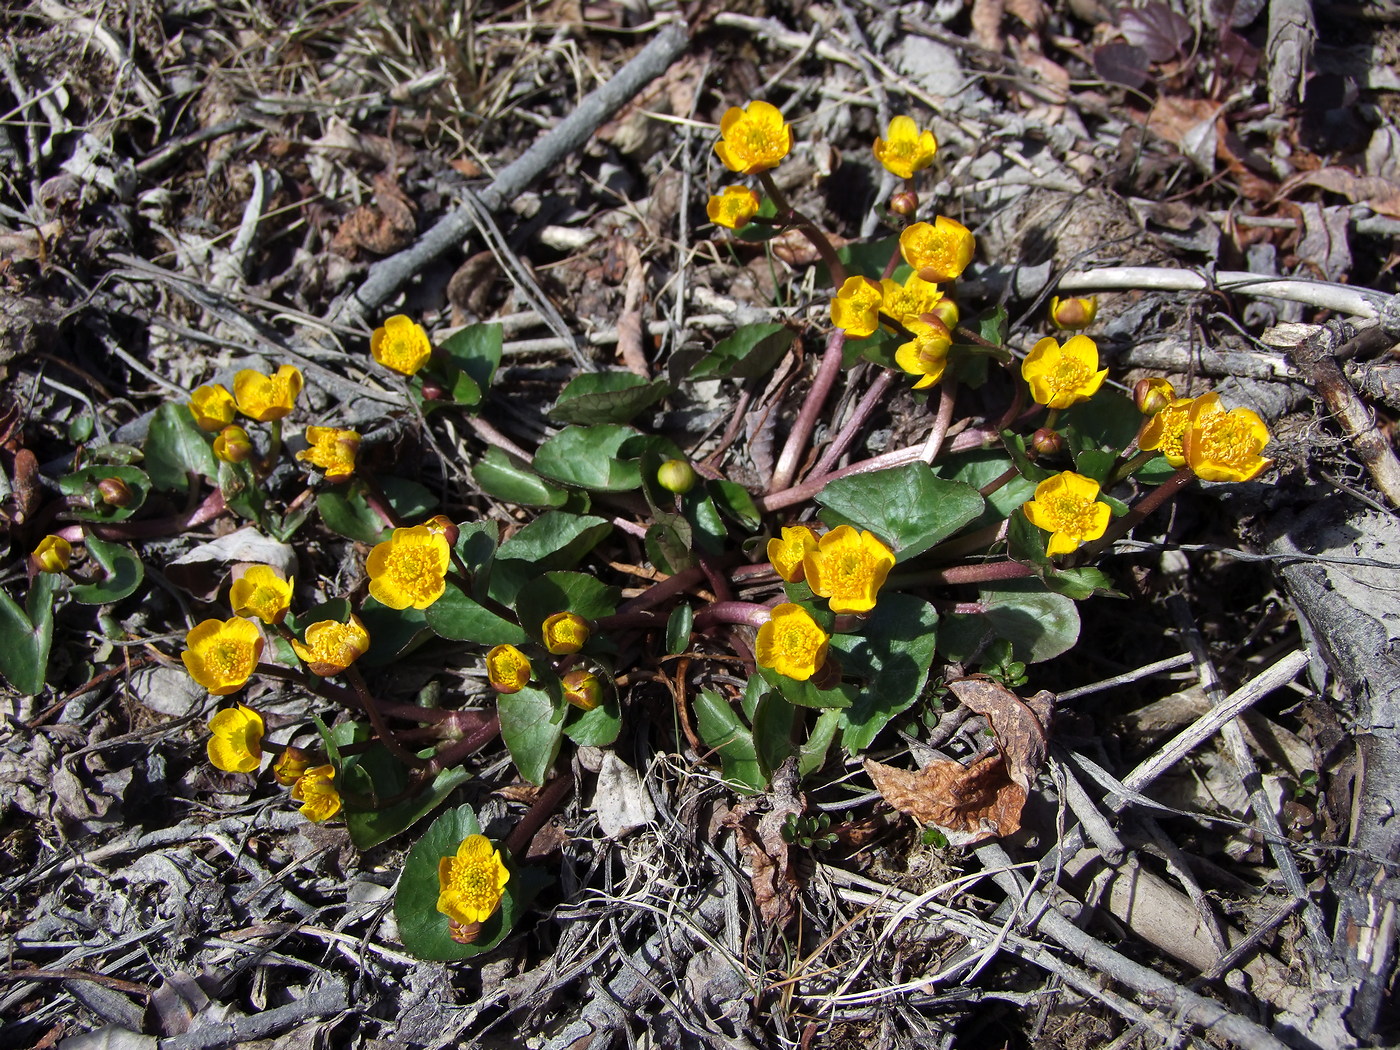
<point>787,550</point>
<point>906,149</point>
<point>409,568</point>
<point>1067,506</point>
<point>332,646</point>
<point>264,397</point>
<point>733,207</point>
<point>235,740</point>
<point>583,689</point>
<point>940,250</point>
<point>565,633</point>
<point>332,450</point>
<point>915,297</point>
<point>926,355</point>
<point>401,344</point>
<point>753,139</point>
<point>1163,431</point>
<point>212,406</point>
<point>53,554</point>
<point>1073,313</point>
<point>856,308</point>
<point>470,885</point>
<point>261,592</point>
<point>221,655</point>
<point>848,568</point>
<point>1221,445</point>
<point>507,669</point>
<point>233,445</point>
<point>290,766</point>
<point>1059,375</point>
<point>315,790</point>
<point>791,643</point>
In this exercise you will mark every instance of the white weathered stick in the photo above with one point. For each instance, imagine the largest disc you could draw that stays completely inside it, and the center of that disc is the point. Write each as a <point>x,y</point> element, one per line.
<point>1321,294</point>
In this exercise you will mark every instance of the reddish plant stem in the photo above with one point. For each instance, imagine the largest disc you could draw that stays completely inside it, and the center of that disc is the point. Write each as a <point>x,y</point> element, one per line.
<point>790,216</point>
<point>1140,510</point>
<point>806,422</point>
<point>983,572</point>
<point>211,507</point>
<point>750,613</point>
<point>546,802</point>
<point>379,503</point>
<point>873,396</point>
<point>941,422</point>
<point>376,718</point>
<point>477,728</point>
<point>492,436</point>
<point>719,583</point>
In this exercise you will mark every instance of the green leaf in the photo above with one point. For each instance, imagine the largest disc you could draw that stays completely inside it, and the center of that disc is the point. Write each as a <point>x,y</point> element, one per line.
<point>392,632</point>
<point>596,728</point>
<point>893,654</point>
<point>1155,471</point>
<point>1025,542</point>
<point>981,468</point>
<point>124,573</point>
<point>805,694</point>
<point>476,350</point>
<point>346,510</point>
<point>1108,421</point>
<point>606,397</point>
<point>556,592</point>
<point>497,475</point>
<point>1039,625</point>
<point>176,447</point>
<point>724,732</point>
<point>83,486</point>
<point>1081,583</point>
<point>241,493</point>
<point>910,508</point>
<point>532,722</point>
<point>1094,463</point>
<point>752,350</point>
<point>422,928</point>
<point>383,775</point>
<point>678,627</point>
<point>1030,470</point>
<point>555,536</point>
<point>812,755</point>
<point>735,503</point>
<point>26,635</point>
<point>588,457</point>
<point>411,501</point>
<point>773,720</point>
<point>670,544</point>
<point>866,258</point>
<point>462,619</point>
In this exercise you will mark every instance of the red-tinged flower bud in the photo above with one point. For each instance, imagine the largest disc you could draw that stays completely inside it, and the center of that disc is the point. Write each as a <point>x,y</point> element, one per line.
<point>1047,442</point>
<point>676,475</point>
<point>433,391</point>
<point>444,527</point>
<point>1073,313</point>
<point>233,445</point>
<point>290,766</point>
<point>565,633</point>
<point>905,203</point>
<point>115,492</point>
<point>583,690</point>
<point>1153,394</point>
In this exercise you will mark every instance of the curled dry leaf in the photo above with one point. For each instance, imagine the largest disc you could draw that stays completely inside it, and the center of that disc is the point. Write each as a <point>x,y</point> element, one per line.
<point>383,228</point>
<point>971,804</point>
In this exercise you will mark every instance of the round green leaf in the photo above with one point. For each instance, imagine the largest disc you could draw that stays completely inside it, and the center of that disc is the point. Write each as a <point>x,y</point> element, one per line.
<point>176,447</point>
<point>606,397</point>
<point>83,484</point>
<point>556,592</point>
<point>588,457</point>
<point>910,508</point>
<point>893,654</point>
<point>462,619</point>
<point>532,722</point>
<point>124,573</point>
<point>498,476</point>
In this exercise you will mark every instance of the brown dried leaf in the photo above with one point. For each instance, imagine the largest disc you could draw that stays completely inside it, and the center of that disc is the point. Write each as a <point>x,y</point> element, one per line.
<point>969,804</point>
<point>1020,726</point>
<point>385,227</point>
<point>1379,194</point>
<point>986,23</point>
<point>775,883</point>
<point>471,286</point>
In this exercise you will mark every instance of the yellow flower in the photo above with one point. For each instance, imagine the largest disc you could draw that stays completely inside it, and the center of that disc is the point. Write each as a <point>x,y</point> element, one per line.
<point>53,554</point>
<point>940,250</point>
<point>315,789</point>
<point>290,766</point>
<point>332,646</point>
<point>791,643</point>
<point>583,689</point>
<point>212,406</point>
<point>732,208</point>
<point>907,149</point>
<point>1153,394</point>
<point>1221,445</point>
<point>507,669</point>
<point>332,450</point>
<point>401,344</point>
<point>848,568</point>
<point>915,297</point>
<point>1059,375</point>
<point>261,592</point>
<point>1163,432</point>
<point>470,883</point>
<point>264,397</point>
<point>409,568</point>
<point>787,551</point>
<point>1067,507</point>
<point>235,740</point>
<point>856,308</point>
<point>221,655</point>
<point>753,139</point>
<point>926,355</point>
<point>233,445</point>
<point>1073,313</point>
<point>565,633</point>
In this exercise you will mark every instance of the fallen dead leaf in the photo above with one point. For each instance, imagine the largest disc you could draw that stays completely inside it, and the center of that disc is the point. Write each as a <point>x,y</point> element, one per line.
<point>1379,194</point>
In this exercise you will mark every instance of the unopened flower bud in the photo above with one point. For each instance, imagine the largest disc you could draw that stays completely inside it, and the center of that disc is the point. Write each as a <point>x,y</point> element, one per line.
<point>565,633</point>
<point>1073,313</point>
<point>1153,394</point>
<point>443,526</point>
<point>233,445</point>
<point>676,475</point>
<point>583,690</point>
<point>507,669</point>
<point>1047,442</point>
<point>115,492</point>
<point>433,390</point>
<point>53,554</point>
<point>905,203</point>
<point>290,766</point>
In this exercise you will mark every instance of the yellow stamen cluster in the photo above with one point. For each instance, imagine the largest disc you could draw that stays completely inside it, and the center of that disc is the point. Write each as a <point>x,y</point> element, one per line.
<point>401,344</point>
<point>733,207</point>
<point>1224,446</point>
<point>315,790</point>
<point>848,568</point>
<point>791,643</point>
<point>471,883</point>
<point>332,646</point>
<point>1067,506</point>
<point>409,568</point>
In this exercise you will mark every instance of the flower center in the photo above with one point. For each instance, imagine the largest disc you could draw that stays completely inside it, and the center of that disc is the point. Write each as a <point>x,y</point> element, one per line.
<point>797,643</point>
<point>1069,374</point>
<point>227,659</point>
<point>850,572</point>
<point>474,883</point>
<point>757,140</point>
<point>1071,514</point>
<point>414,567</point>
<point>1227,441</point>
